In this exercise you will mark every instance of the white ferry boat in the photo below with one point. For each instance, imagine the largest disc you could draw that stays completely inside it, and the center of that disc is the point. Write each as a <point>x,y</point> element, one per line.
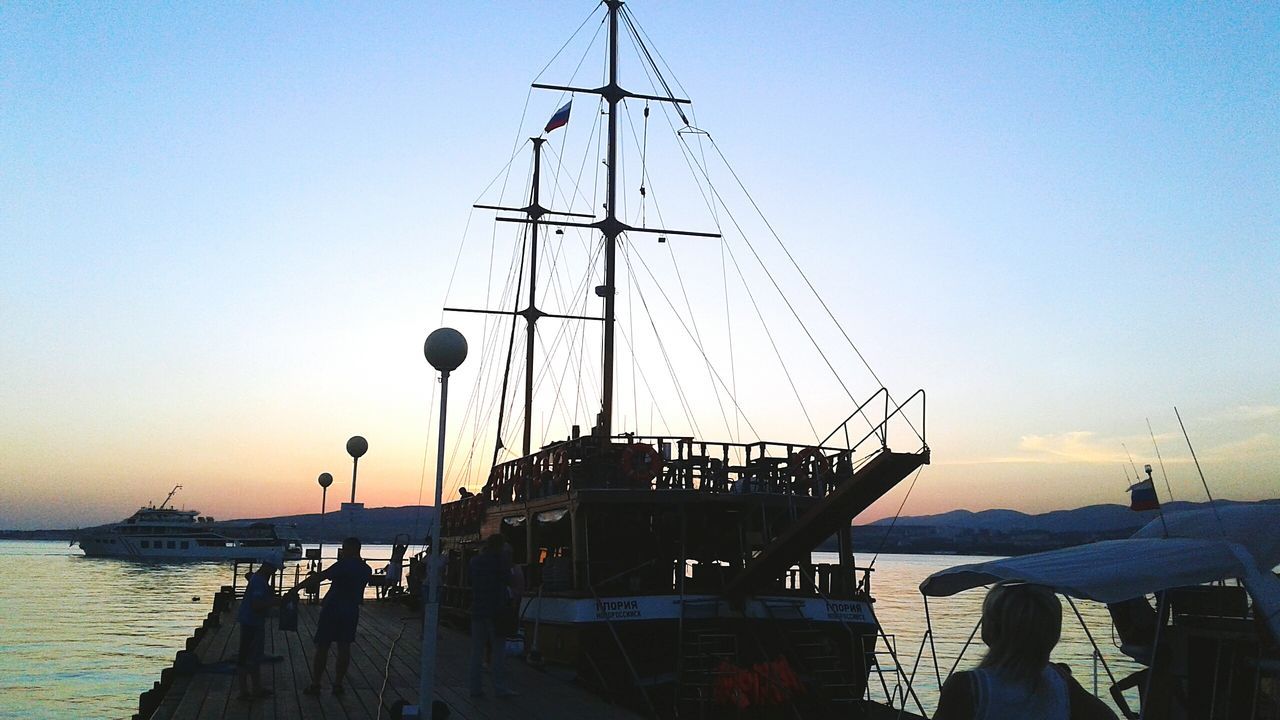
<point>167,533</point>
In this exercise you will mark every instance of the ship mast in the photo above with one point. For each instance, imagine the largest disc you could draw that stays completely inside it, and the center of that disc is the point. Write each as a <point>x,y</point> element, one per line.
<point>610,227</point>
<point>531,312</point>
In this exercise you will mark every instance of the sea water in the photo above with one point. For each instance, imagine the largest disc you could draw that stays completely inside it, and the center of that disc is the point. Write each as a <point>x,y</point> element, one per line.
<point>82,637</point>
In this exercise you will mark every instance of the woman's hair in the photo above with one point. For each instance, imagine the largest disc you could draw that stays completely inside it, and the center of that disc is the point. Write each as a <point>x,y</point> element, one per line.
<point>1021,624</point>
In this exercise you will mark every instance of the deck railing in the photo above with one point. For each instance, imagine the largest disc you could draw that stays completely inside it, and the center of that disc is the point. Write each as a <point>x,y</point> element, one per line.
<point>680,462</point>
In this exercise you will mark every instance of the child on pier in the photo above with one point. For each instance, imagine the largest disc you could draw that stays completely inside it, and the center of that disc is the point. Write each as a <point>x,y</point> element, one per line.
<point>252,617</point>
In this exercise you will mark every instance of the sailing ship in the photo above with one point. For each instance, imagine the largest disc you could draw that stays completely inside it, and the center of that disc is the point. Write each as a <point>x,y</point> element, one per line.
<point>670,571</point>
<point>168,533</point>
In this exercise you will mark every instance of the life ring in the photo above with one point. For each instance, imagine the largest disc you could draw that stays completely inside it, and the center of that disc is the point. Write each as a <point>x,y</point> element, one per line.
<point>640,463</point>
<point>800,468</point>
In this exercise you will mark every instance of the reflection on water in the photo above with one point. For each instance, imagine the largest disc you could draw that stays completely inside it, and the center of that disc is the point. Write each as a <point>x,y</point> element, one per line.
<point>82,637</point>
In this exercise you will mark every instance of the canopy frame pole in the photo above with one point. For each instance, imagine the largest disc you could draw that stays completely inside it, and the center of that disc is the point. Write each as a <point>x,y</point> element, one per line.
<point>964,649</point>
<point>1094,643</point>
<point>911,681</point>
<point>1162,615</point>
<point>933,649</point>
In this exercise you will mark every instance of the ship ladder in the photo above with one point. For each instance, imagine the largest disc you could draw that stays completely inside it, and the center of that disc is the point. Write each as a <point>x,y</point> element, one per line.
<point>701,654</point>
<point>816,653</point>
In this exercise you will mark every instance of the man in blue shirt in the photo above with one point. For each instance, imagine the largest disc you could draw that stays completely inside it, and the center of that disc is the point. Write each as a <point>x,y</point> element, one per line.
<point>252,617</point>
<point>339,612</point>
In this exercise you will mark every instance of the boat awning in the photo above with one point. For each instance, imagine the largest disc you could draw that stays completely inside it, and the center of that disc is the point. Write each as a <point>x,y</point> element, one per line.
<point>1253,526</point>
<point>1116,570</point>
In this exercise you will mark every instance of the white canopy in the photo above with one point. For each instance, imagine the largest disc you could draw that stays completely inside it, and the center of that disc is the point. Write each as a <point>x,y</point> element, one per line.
<point>1117,570</point>
<point>1257,527</point>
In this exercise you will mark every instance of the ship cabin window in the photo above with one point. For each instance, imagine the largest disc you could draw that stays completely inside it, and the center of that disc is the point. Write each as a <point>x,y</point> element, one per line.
<point>146,543</point>
<point>171,545</point>
<point>185,544</point>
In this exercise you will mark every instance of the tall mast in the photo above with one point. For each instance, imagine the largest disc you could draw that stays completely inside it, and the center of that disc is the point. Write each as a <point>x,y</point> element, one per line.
<point>611,228</point>
<point>531,313</point>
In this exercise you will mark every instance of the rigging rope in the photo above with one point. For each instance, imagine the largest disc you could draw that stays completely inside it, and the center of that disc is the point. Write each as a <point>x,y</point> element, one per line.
<point>684,402</point>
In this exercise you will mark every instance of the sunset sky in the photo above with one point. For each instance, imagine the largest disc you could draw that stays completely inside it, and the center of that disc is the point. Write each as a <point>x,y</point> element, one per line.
<point>226,228</point>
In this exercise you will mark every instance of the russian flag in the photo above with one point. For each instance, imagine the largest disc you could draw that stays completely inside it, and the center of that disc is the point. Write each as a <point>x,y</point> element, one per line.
<point>1142,496</point>
<point>560,119</point>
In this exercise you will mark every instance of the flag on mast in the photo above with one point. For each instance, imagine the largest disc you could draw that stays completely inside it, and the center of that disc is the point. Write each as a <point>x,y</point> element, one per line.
<point>1142,496</point>
<point>560,119</point>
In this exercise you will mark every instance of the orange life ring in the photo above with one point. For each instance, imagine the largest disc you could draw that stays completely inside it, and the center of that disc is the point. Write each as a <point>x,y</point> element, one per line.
<point>640,463</point>
<point>799,465</point>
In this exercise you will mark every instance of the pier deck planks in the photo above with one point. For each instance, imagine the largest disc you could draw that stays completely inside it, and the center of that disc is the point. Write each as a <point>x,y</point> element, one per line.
<point>385,652</point>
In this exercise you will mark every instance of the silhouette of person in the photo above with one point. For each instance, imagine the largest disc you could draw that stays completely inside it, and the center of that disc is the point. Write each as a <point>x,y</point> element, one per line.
<point>490,586</point>
<point>252,618</point>
<point>339,612</point>
<point>1021,624</point>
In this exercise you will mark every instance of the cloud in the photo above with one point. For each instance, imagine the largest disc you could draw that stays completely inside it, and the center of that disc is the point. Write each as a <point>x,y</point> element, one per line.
<point>1257,446</point>
<point>1077,446</point>
<point>1257,412</point>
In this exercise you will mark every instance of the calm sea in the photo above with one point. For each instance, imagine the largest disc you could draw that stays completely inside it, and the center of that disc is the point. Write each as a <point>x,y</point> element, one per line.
<point>81,637</point>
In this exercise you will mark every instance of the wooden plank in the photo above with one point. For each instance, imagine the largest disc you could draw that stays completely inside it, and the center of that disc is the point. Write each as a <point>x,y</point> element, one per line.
<point>325,704</point>
<point>216,687</point>
<point>386,650</point>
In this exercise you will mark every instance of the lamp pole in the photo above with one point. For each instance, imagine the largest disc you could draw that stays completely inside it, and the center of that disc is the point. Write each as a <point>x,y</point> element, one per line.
<point>356,447</point>
<point>445,349</point>
<point>325,480</point>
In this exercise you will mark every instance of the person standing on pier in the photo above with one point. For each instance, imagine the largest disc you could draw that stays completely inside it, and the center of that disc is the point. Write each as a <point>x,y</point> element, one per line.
<point>490,585</point>
<point>339,612</point>
<point>252,617</point>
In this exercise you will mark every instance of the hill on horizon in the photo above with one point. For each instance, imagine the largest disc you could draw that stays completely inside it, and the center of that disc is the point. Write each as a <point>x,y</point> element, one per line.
<point>1096,518</point>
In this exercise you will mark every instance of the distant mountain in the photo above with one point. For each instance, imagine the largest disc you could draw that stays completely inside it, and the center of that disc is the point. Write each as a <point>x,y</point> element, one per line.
<point>1093,518</point>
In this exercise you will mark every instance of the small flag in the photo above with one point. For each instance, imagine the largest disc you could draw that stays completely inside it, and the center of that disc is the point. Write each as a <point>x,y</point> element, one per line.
<point>560,119</point>
<point>1142,496</point>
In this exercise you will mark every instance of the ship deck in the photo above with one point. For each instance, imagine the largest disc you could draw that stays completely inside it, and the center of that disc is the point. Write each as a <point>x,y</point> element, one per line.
<point>387,630</point>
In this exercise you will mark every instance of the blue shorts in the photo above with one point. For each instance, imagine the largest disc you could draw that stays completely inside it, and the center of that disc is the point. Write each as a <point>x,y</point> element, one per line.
<point>336,625</point>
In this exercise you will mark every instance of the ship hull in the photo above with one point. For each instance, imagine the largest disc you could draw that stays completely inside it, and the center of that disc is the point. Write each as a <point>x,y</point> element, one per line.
<point>178,548</point>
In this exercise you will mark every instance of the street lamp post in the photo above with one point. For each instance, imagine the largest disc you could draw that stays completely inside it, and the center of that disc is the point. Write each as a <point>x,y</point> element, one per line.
<point>325,481</point>
<point>445,349</point>
<point>356,447</point>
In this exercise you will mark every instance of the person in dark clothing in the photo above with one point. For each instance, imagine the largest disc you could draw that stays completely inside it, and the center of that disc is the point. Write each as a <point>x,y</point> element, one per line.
<point>252,617</point>
<point>490,587</point>
<point>339,612</point>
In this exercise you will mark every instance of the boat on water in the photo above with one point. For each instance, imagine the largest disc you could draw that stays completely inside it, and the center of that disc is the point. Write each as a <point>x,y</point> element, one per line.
<point>671,571</point>
<point>168,533</point>
<point>1194,601</point>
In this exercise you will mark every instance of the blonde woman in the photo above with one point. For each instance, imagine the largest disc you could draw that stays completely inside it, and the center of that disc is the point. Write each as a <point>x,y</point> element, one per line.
<point>1021,624</point>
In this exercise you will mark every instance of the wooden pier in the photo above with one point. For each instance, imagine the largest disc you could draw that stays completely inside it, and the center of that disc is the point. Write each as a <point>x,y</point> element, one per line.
<point>384,667</point>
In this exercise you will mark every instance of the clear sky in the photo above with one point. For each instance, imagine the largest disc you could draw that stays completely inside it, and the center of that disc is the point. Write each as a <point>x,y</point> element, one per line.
<point>226,228</point>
